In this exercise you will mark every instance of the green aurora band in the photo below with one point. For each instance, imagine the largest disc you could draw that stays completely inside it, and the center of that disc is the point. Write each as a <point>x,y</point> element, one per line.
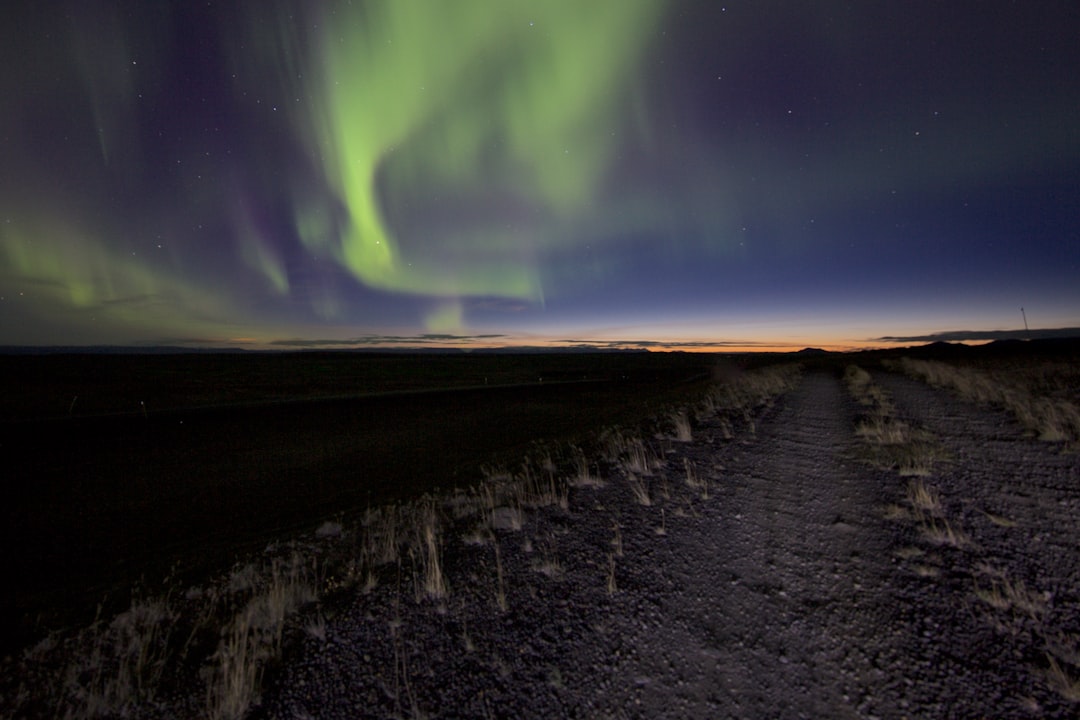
<point>467,100</point>
<point>405,108</point>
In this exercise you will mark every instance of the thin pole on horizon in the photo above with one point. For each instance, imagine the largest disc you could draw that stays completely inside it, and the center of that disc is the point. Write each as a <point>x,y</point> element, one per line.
<point>1027,333</point>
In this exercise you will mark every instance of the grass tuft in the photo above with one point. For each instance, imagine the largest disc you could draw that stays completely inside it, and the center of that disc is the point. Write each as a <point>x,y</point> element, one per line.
<point>616,540</point>
<point>430,552</point>
<point>639,487</point>
<point>695,481</point>
<point>254,638</point>
<point>681,421</point>
<point>943,533</point>
<point>1062,680</point>
<point>583,476</point>
<point>924,498</point>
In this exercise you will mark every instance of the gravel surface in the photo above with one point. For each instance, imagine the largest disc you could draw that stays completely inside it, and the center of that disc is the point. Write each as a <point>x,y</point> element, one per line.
<point>802,585</point>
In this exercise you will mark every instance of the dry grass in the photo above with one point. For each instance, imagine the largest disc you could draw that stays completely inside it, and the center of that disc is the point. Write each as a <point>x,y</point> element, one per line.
<point>1063,680</point>
<point>220,638</point>
<point>924,499</point>
<point>883,430</point>
<point>929,511</point>
<point>583,476</point>
<point>382,535</point>
<point>548,564</point>
<point>694,481</point>
<point>859,383</point>
<point>919,457</point>
<point>890,442</point>
<point>629,452</point>
<point>121,663</point>
<point>1040,397</point>
<point>992,596</point>
<point>734,400</point>
<point>316,627</point>
<point>681,421</point>
<point>427,551</point>
<point>502,498</point>
<point>1065,646</point>
<point>926,571</point>
<point>909,552</point>
<point>942,532</point>
<point>1003,594</point>
<point>616,540</point>
<point>639,488</point>
<point>253,639</point>
<point>999,520</point>
<point>754,389</point>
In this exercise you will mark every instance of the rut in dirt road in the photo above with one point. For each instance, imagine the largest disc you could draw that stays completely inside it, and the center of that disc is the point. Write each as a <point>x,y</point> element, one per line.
<point>786,610</point>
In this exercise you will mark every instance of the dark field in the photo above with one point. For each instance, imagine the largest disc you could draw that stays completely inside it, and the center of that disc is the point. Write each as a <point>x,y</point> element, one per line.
<point>879,534</point>
<point>124,467</point>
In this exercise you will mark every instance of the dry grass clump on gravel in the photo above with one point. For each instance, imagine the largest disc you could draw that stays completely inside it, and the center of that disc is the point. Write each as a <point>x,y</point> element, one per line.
<point>734,401</point>
<point>208,651</point>
<point>630,452</point>
<point>145,660</point>
<point>681,421</point>
<point>1062,680</point>
<point>585,473</point>
<point>891,442</point>
<point>1019,610</point>
<point>928,510</point>
<point>253,638</point>
<point>1045,408</point>
<point>1004,593</point>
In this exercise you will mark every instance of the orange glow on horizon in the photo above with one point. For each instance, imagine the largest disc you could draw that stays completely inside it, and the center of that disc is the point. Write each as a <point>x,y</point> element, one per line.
<point>400,344</point>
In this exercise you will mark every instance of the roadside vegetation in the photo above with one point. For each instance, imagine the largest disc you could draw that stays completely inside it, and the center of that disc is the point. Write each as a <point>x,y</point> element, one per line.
<point>894,444</point>
<point>212,650</point>
<point>1042,396</point>
<point>889,441</point>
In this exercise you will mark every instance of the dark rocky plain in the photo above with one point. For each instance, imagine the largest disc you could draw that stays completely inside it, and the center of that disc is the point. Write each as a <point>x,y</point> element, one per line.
<point>770,566</point>
<point>803,586</point>
<point>124,468</point>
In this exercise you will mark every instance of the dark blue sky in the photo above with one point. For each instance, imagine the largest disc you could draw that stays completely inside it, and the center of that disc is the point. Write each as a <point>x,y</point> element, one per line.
<point>700,174</point>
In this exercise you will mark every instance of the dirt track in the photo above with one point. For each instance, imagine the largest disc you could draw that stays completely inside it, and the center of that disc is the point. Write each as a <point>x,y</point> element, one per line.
<point>786,593</point>
<point>774,580</point>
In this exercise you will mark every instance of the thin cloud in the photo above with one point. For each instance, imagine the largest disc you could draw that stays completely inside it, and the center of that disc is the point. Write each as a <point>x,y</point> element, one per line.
<point>983,335</point>
<point>426,339</point>
<point>661,345</point>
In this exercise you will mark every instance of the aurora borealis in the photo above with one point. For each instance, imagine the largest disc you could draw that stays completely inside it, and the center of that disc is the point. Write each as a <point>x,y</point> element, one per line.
<point>502,172</point>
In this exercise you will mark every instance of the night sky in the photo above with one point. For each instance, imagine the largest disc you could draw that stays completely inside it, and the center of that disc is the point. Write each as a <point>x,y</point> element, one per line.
<point>642,173</point>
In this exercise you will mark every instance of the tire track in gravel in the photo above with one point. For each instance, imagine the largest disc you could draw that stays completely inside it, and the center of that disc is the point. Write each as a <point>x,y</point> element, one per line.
<point>784,608</point>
